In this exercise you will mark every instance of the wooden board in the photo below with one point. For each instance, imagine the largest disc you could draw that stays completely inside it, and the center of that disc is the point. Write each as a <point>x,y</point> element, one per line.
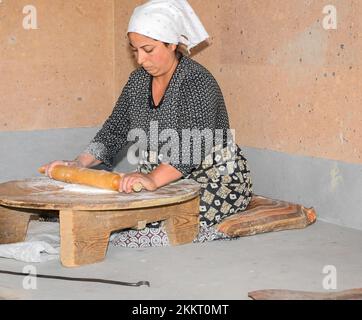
<point>352,294</point>
<point>44,193</point>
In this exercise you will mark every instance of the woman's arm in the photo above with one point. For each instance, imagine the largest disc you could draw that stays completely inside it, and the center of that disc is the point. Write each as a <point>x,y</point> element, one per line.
<point>159,177</point>
<point>200,103</point>
<point>86,160</point>
<point>164,174</point>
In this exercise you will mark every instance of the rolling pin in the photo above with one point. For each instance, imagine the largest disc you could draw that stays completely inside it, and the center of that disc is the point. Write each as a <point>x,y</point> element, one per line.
<point>90,177</point>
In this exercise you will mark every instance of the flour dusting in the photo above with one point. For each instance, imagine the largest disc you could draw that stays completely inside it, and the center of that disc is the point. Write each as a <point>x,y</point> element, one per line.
<point>48,185</point>
<point>85,189</point>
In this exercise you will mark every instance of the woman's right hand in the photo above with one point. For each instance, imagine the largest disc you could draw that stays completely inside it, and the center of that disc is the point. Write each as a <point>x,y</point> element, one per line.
<point>49,167</point>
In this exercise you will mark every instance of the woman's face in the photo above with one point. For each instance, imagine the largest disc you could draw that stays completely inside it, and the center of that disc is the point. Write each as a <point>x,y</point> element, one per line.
<point>154,56</point>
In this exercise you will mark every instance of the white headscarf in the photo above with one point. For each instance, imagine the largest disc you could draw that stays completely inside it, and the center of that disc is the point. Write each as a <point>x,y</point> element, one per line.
<point>170,21</point>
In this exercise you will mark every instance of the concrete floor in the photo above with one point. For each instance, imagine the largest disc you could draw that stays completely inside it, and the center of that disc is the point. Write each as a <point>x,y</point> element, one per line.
<point>216,270</point>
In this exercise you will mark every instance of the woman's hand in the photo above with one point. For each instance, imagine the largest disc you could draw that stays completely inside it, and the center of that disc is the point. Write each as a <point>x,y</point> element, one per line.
<point>130,179</point>
<point>84,160</point>
<point>49,167</point>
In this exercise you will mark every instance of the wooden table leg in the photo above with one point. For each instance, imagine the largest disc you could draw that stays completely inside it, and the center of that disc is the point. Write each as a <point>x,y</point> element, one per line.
<point>13,224</point>
<point>183,225</point>
<point>82,239</point>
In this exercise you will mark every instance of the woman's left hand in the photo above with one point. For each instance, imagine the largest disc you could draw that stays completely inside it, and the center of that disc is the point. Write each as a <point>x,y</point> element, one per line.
<point>130,179</point>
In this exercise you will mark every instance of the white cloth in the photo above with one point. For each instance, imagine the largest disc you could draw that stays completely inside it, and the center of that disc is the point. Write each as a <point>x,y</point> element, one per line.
<point>33,251</point>
<point>41,244</point>
<point>170,21</point>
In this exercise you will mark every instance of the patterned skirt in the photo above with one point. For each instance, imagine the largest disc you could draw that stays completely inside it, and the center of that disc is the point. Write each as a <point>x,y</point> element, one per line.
<point>226,189</point>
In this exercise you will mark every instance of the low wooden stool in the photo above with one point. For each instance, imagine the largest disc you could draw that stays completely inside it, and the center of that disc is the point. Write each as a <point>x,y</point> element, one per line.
<point>86,220</point>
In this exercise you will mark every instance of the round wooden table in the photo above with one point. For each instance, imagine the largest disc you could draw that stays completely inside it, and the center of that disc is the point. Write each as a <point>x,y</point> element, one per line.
<point>88,215</point>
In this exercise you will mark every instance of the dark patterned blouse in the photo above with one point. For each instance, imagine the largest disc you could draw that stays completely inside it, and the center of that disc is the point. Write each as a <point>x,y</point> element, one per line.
<point>193,106</point>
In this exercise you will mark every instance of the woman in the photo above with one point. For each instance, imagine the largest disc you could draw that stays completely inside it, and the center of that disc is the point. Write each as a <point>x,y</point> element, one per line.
<point>172,93</point>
